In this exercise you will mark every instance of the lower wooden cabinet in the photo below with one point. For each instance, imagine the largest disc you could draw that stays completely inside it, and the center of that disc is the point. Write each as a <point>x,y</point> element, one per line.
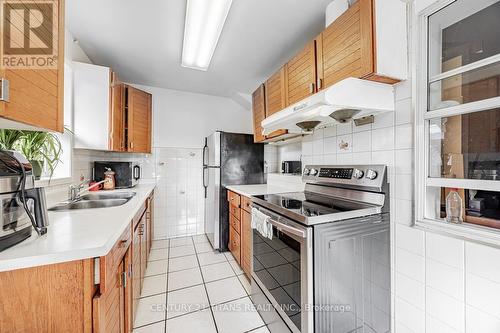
<point>65,297</point>
<point>240,231</point>
<point>246,242</point>
<point>111,310</point>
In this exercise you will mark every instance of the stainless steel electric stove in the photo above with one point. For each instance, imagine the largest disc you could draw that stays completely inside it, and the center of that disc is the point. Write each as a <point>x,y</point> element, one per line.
<point>327,267</point>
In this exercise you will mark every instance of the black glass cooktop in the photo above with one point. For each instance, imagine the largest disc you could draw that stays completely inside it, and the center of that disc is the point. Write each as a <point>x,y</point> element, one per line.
<point>309,204</point>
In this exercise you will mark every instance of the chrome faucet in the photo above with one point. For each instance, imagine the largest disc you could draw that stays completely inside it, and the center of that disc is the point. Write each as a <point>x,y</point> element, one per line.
<point>76,191</point>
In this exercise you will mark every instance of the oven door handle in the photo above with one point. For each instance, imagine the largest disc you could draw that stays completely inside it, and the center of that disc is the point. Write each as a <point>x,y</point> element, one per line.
<point>288,229</point>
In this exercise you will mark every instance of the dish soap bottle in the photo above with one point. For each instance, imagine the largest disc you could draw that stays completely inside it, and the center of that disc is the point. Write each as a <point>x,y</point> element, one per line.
<point>453,207</point>
<point>109,177</point>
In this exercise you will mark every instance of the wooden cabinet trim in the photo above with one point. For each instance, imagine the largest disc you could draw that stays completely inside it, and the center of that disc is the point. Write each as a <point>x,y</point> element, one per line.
<point>367,30</point>
<point>246,243</point>
<point>259,112</point>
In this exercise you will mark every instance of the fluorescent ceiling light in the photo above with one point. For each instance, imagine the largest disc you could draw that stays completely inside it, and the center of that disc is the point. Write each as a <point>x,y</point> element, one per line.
<point>204,22</point>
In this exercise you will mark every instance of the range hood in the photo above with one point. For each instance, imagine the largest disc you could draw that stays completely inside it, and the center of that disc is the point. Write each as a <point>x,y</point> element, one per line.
<point>351,96</point>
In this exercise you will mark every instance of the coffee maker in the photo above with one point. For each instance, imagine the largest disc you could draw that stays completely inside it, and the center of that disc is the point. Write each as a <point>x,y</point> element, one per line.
<point>22,205</point>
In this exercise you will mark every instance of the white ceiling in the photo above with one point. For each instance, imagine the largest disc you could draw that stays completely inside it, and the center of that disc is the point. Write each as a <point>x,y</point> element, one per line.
<point>142,40</point>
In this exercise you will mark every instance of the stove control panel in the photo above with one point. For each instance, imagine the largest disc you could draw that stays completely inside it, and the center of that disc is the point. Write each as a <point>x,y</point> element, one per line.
<point>340,173</point>
<point>373,176</point>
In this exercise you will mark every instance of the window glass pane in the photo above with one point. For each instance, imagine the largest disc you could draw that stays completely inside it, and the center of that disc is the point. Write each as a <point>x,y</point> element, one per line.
<point>478,207</point>
<point>462,33</point>
<point>466,146</point>
<point>475,85</point>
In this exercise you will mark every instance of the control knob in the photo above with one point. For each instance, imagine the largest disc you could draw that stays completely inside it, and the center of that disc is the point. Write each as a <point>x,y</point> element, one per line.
<point>313,172</point>
<point>358,174</point>
<point>306,172</point>
<point>371,174</point>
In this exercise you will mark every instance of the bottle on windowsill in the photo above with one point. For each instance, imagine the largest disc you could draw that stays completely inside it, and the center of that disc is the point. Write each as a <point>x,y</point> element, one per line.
<point>454,207</point>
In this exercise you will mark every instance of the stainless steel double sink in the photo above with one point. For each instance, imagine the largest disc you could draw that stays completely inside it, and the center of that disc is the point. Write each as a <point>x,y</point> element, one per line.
<point>95,200</point>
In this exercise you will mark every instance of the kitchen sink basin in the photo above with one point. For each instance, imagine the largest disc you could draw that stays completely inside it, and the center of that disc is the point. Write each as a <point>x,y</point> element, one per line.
<point>86,204</point>
<point>96,200</point>
<point>106,196</point>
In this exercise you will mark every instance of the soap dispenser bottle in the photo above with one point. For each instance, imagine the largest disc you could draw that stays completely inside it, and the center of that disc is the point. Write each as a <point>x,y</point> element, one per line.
<point>454,207</point>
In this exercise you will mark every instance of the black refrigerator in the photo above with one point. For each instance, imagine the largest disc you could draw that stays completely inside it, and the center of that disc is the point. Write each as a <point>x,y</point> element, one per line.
<point>228,159</point>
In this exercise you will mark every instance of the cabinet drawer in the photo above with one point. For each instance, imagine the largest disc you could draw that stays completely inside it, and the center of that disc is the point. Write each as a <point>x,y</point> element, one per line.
<point>245,204</point>
<point>233,198</point>
<point>234,244</point>
<point>235,211</point>
<point>235,223</point>
<point>109,263</point>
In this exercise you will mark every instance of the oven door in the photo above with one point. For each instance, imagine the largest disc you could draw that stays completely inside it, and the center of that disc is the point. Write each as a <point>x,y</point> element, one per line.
<point>282,267</point>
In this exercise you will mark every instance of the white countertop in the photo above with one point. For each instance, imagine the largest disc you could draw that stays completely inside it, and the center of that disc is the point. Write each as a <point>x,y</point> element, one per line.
<point>76,234</point>
<point>259,189</point>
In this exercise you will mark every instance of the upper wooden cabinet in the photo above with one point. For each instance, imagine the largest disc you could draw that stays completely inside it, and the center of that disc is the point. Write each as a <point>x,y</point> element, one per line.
<point>117,115</point>
<point>259,112</point>
<point>108,114</point>
<point>275,91</point>
<point>35,96</point>
<point>301,74</point>
<point>345,49</point>
<point>138,115</point>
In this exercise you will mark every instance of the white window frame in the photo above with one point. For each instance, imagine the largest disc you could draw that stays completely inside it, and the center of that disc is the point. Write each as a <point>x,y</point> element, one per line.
<point>466,231</point>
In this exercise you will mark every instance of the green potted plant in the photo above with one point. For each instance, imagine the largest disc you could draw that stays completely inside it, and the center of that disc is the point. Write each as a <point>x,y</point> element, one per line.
<point>40,148</point>
<point>9,138</point>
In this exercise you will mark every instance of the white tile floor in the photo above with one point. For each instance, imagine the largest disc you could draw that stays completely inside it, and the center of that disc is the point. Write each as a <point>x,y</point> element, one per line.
<point>190,288</point>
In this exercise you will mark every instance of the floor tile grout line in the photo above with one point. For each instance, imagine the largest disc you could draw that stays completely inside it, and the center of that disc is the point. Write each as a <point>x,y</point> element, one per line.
<point>194,285</point>
<point>188,313</point>
<point>185,269</point>
<point>206,291</point>
<point>166,292</point>
<point>152,323</point>
<point>237,276</point>
<point>253,329</point>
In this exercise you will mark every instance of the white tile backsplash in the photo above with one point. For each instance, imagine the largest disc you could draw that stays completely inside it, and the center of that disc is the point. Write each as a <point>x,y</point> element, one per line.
<point>362,142</point>
<point>448,309</point>
<point>479,259</point>
<point>445,278</point>
<point>446,250</point>
<point>383,139</point>
<point>479,321</point>
<point>483,294</point>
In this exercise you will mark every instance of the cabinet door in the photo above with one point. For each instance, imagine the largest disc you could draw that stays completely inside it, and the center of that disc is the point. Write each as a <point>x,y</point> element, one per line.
<point>35,95</point>
<point>110,308</point>
<point>139,121</point>
<point>136,270</point>
<point>234,244</point>
<point>149,226</point>
<point>117,116</point>
<point>275,89</point>
<point>301,74</point>
<point>144,248</point>
<point>346,48</point>
<point>246,242</point>
<point>259,113</point>
<point>275,95</point>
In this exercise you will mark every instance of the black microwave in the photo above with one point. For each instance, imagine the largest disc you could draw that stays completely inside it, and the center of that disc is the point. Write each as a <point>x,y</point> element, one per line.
<point>293,167</point>
<point>127,174</point>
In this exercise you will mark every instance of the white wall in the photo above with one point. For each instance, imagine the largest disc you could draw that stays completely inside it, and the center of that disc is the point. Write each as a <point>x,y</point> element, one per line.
<point>184,119</point>
<point>72,50</point>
